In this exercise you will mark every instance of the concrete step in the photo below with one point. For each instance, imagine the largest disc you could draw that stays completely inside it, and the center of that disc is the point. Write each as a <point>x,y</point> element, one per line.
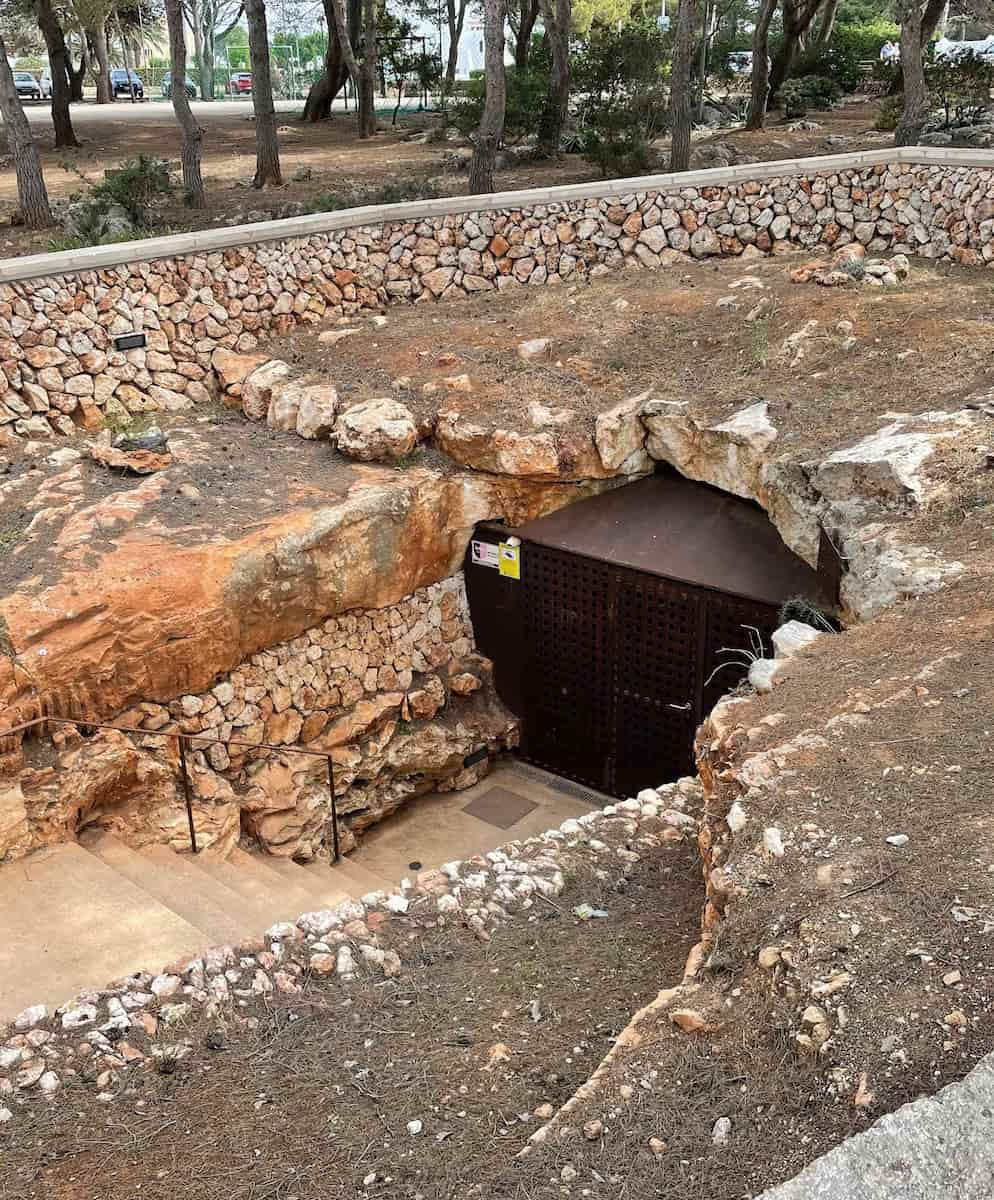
<point>72,923</point>
<point>177,884</point>
<point>265,900</point>
<point>324,888</point>
<point>354,878</point>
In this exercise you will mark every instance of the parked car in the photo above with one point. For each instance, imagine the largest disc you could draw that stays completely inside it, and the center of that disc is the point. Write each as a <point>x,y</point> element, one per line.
<point>740,62</point>
<point>28,88</point>
<point>121,82</point>
<point>240,84</point>
<point>46,85</point>
<point>167,86</point>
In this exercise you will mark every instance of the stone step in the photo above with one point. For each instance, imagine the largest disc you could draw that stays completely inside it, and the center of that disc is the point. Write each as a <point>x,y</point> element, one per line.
<point>324,888</point>
<point>177,884</point>
<point>264,898</point>
<point>230,921</point>
<point>71,923</point>
<point>356,879</point>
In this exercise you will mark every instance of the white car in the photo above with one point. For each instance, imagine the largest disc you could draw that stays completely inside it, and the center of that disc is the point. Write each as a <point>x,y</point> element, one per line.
<point>740,62</point>
<point>45,83</point>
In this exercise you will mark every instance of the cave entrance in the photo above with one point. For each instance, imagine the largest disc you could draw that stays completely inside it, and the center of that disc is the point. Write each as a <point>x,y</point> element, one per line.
<point>611,621</point>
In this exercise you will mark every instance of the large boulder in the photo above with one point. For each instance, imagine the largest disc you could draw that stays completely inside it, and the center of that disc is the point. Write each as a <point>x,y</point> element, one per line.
<point>232,368</point>
<point>307,409</point>
<point>257,388</point>
<point>557,447</point>
<point>288,807</point>
<point>376,430</point>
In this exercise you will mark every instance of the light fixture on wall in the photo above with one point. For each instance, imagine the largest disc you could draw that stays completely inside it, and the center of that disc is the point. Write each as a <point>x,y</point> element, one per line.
<point>130,341</point>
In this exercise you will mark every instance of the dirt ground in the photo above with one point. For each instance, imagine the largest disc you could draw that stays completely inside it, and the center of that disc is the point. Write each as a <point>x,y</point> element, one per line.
<point>336,160</point>
<point>683,332</point>
<point>315,1102</point>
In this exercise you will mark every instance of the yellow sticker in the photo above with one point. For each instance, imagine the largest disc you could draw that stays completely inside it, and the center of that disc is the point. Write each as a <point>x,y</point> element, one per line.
<point>510,561</point>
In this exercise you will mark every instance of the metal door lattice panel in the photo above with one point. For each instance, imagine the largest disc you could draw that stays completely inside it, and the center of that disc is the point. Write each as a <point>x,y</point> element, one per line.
<point>567,677</point>
<point>656,639</point>
<point>732,625</point>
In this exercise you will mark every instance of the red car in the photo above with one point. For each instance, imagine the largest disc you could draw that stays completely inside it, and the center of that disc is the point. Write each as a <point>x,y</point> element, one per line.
<point>240,84</point>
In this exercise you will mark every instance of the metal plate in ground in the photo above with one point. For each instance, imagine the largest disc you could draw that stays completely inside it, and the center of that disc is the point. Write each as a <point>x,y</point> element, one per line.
<point>500,807</point>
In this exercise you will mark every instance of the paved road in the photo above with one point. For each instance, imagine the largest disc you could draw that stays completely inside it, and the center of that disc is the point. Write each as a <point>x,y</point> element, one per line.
<point>156,109</point>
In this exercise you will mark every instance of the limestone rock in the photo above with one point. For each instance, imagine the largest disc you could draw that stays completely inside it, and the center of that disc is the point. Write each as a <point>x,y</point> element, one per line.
<point>376,430</point>
<point>137,462</point>
<point>792,638</point>
<point>620,436</point>
<point>257,388</point>
<point>288,807</point>
<point>232,368</point>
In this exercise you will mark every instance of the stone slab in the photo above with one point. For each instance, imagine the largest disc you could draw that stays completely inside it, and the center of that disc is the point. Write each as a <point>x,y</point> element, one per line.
<point>938,1148</point>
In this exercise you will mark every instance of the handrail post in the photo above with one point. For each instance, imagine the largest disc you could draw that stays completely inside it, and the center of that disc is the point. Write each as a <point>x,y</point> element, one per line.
<point>334,811</point>
<point>186,791</point>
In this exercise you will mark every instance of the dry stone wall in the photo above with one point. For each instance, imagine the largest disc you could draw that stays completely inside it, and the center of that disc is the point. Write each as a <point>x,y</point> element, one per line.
<point>59,367</point>
<point>397,696</point>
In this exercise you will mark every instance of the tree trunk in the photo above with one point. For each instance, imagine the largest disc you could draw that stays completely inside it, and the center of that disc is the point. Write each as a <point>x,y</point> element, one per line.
<point>528,15</point>
<point>557,16</point>
<point>58,64</point>
<point>345,44</point>
<point>915,112</point>
<point>683,52</point>
<point>77,75</point>
<point>98,39</point>
<point>456,17</point>
<point>32,195</point>
<point>317,106</point>
<point>760,66</point>
<point>129,61</point>
<point>797,18</point>
<point>193,135</point>
<point>930,21</point>
<point>267,150</point>
<point>367,76</point>
<point>491,131</point>
<point>827,25</point>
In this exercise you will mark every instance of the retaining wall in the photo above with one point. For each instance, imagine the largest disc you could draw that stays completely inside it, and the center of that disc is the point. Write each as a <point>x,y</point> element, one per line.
<point>193,293</point>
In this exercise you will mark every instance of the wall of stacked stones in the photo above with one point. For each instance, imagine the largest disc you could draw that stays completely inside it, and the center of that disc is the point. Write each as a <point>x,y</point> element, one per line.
<point>297,691</point>
<point>59,368</point>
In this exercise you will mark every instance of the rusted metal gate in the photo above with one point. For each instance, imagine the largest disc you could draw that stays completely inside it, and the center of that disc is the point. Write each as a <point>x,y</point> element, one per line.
<point>610,645</point>
<point>614,682</point>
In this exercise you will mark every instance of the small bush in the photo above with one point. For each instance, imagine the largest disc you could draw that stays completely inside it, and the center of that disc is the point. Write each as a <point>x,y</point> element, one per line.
<point>526,93</point>
<point>136,185</point>
<point>889,114</point>
<point>962,85</point>
<point>800,95</point>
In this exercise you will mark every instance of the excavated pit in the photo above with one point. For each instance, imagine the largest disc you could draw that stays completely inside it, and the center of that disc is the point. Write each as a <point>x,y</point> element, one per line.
<point>891,468</point>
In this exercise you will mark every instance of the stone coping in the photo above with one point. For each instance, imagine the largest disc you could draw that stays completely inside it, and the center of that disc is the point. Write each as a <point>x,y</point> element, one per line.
<point>92,258</point>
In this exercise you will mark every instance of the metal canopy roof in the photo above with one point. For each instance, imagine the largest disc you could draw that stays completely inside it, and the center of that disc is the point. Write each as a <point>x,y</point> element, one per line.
<point>671,526</point>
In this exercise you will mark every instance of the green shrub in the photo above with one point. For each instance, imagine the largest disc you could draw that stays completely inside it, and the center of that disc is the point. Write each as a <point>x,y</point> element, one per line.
<point>526,93</point>
<point>621,79</point>
<point>849,47</point>
<point>807,92</point>
<point>962,85</point>
<point>136,185</point>
<point>889,114</point>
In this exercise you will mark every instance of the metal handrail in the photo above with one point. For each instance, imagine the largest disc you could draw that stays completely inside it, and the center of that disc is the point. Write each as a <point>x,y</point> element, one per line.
<point>181,739</point>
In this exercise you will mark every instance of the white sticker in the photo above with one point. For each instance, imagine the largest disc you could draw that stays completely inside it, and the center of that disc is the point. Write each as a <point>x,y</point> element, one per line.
<point>486,554</point>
